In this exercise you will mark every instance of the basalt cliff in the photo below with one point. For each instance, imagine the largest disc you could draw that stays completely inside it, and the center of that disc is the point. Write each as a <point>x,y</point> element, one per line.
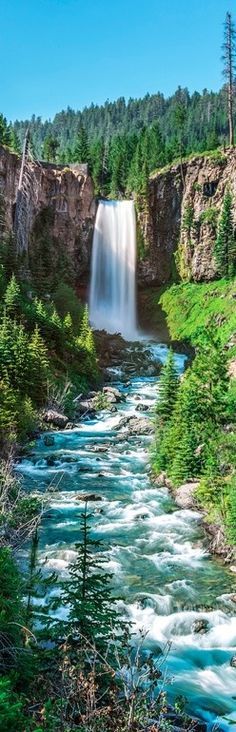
<point>58,203</point>
<point>177,219</point>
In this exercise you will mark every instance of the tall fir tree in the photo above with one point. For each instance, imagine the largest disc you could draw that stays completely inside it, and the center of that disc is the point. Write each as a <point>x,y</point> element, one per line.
<point>92,614</point>
<point>168,389</point>
<point>81,149</point>
<point>225,245</point>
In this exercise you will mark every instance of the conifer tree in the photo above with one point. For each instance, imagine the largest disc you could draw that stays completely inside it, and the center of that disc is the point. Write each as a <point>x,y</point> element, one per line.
<point>12,297</point>
<point>55,319</point>
<point>50,147</point>
<point>81,150</point>
<point>180,117</point>
<point>92,613</point>
<point>68,325</point>
<point>39,366</point>
<point>229,59</point>
<point>90,344</point>
<point>85,327</point>
<point>168,389</point>
<point>225,245</point>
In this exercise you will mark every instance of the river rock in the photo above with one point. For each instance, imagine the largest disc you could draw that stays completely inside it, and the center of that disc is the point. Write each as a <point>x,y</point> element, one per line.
<point>136,426</point>
<point>50,460</point>
<point>142,408</point>
<point>86,407</point>
<point>113,395</point>
<point>233,662</point>
<point>200,625</point>
<point>49,440</point>
<point>50,416</point>
<point>185,494</point>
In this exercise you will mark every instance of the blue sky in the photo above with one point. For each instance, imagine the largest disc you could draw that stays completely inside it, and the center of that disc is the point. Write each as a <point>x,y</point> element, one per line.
<point>55,53</point>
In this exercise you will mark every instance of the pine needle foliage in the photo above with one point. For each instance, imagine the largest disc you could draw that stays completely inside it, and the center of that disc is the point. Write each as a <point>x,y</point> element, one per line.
<point>168,389</point>
<point>225,246</point>
<point>88,593</point>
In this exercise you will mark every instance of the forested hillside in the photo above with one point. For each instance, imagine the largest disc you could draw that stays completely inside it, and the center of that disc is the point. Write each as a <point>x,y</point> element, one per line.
<point>124,141</point>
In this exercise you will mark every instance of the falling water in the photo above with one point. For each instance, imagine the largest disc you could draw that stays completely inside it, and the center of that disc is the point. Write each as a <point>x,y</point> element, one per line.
<point>112,291</point>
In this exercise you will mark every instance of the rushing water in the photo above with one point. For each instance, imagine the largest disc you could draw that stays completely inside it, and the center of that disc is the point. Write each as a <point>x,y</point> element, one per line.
<point>112,294</point>
<point>157,552</point>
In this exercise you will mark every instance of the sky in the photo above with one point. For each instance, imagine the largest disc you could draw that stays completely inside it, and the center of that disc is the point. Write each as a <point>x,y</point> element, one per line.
<point>59,53</point>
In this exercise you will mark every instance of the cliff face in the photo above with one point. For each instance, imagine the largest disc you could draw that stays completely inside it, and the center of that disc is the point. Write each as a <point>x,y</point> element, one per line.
<point>183,219</point>
<point>174,219</point>
<point>65,193</point>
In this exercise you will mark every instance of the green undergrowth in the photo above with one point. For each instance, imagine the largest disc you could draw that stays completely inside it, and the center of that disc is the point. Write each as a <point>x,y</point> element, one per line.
<point>193,308</point>
<point>195,422</point>
<point>217,156</point>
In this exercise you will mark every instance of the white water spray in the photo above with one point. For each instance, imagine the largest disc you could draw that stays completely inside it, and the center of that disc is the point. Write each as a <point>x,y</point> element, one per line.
<point>113,293</point>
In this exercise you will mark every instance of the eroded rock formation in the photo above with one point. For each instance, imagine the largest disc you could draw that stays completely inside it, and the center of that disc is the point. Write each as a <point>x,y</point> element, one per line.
<point>65,194</point>
<point>184,218</point>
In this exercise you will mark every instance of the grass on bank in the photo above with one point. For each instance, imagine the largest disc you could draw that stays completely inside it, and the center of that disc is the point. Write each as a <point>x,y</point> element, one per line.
<point>192,308</point>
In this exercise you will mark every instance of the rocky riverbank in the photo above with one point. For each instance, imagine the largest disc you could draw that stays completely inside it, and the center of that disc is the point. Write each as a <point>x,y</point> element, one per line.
<point>185,497</point>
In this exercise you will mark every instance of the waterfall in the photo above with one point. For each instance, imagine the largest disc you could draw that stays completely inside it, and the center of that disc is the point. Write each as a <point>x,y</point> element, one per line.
<point>113,288</point>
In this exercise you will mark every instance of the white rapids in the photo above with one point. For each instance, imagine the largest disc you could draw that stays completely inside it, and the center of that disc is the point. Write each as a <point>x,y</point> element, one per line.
<point>112,302</point>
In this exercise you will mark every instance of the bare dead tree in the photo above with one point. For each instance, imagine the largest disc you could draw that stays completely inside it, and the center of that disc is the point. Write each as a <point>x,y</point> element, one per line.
<point>229,69</point>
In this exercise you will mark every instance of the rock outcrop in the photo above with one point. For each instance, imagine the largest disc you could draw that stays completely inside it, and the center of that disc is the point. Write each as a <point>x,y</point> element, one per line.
<point>65,193</point>
<point>183,218</point>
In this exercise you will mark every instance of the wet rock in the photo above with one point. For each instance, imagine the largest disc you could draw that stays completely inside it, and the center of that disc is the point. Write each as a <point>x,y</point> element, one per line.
<point>185,495</point>
<point>86,407</point>
<point>113,394</point>
<point>69,426</point>
<point>142,408</point>
<point>49,440</point>
<point>99,448</point>
<point>233,662</point>
<point>162,480</point>
<point>88,497</point>
<point>50,416</point>
<point>50,460</point>
<point>200,625</point>
<point>136,425</point>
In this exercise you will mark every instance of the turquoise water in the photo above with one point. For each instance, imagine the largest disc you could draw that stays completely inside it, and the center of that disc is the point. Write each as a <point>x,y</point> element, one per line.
<point>158,553</point>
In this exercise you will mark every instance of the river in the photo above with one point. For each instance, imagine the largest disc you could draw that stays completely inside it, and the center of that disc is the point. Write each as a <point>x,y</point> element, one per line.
<point>157,552</point>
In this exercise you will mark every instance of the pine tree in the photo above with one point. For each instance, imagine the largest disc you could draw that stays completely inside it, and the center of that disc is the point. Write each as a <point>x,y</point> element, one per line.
<point>12,297</point>
<point>180,118</point>
<point>90,344</point>
<point>225,245</point>
<point>229,59</point>
<point>50,147</point>
<point>68,325</point>
<point>85,327</point>
<point>55,319</point>
<point>39,366</point>
<point>168,389</point>
<point>81,150</point>
<point>87,593</point>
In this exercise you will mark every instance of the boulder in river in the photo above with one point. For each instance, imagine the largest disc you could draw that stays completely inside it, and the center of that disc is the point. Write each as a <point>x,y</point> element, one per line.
<point>51,416</point>
<point>233,662</point>
<point>48,440</point>
<point>113,395</point>
<point>200,625</point>
<point>136,425</point>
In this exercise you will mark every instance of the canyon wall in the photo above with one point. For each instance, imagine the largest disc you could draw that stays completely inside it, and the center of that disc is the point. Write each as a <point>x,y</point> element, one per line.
<point>61,196</point>
<point>181,219</point>
<point>177,220</point>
